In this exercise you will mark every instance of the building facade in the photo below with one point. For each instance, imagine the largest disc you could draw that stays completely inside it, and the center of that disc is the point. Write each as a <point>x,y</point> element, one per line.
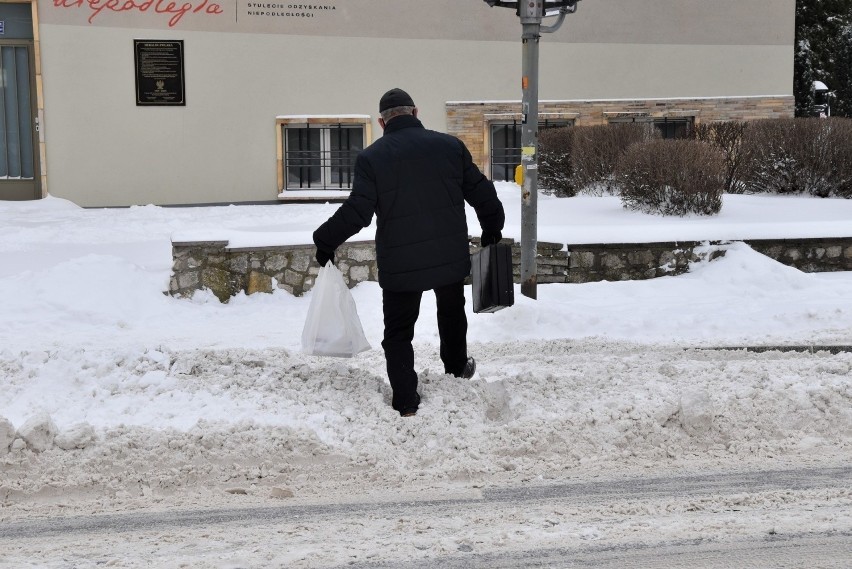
<point>121,102</point>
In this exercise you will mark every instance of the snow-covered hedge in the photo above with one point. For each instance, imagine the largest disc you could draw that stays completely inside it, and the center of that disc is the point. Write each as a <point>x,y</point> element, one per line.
<point>556,161</point>
<point>583,159</point>
<point>672,177</point>
<point>798,156</point>
<point>726,136</point>
<point>779,156</point>
<point>597,150</point>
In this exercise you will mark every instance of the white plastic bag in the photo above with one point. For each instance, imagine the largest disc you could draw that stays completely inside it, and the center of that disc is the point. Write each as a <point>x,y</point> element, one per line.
<point>332,327</point>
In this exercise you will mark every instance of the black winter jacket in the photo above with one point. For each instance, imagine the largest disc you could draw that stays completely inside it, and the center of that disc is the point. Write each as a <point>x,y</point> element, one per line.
<point>416,181</point>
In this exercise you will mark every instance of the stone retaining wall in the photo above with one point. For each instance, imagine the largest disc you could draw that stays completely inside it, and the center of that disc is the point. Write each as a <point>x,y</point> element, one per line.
<point>808,255</point>
<point>228,271</point>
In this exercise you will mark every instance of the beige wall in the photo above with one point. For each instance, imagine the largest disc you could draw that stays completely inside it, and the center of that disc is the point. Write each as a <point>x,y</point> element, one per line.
<point>104,150</point>
<point>720,22</point>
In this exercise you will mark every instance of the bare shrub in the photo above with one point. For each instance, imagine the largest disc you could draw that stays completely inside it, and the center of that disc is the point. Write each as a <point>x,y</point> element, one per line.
<point>799,156</point>
<point>672,177</point>
<point>842,157</point>
<point>597,149</point>
<point>556,169</point>
<point>728,137</point>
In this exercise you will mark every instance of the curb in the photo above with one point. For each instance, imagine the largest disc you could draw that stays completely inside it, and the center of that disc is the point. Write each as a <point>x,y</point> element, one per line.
<point>833,349</point>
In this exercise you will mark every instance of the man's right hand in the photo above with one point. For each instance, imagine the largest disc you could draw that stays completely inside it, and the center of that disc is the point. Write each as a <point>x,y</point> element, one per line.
<point>324,257</point>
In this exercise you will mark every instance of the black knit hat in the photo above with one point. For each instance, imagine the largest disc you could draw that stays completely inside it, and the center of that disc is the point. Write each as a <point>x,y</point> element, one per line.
<point>395,98</point>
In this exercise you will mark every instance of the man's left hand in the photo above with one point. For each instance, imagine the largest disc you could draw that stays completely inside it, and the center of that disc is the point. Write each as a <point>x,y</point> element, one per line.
<point>324,257</point>
<point>490,237</point>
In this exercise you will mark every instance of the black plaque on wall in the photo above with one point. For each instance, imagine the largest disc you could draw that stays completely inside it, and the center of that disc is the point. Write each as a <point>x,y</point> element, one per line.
<point>159,73</point>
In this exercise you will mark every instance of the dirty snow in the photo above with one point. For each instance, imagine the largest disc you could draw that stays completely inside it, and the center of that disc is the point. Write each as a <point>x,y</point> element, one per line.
<point>114,395</point>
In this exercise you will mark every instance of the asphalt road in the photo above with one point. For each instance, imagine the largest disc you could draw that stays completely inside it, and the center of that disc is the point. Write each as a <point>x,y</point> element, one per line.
<point>801,551</point>
<point>73,541</point>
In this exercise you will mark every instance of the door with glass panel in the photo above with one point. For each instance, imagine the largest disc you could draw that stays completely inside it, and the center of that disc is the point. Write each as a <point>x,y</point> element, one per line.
<point>19,178</point>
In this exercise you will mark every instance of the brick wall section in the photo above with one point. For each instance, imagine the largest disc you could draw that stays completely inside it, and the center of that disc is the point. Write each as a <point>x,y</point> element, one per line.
<point>470,120</point>
<point>226,272</point>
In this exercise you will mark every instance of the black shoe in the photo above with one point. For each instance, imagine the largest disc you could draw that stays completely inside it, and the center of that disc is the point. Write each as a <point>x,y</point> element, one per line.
<point>410,410</point>
<point>469,368</point>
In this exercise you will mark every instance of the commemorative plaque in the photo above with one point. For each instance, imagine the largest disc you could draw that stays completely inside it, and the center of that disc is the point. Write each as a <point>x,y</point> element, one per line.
<point>159,73</point>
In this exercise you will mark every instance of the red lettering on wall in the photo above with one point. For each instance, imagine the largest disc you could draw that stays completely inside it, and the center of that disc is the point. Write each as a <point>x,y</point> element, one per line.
<point>175,10</point>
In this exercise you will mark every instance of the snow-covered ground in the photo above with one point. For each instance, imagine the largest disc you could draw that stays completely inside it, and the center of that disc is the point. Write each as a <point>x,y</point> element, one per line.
<point>114,396</point>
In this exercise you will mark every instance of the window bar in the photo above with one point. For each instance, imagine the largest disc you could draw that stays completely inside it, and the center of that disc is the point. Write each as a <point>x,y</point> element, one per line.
<point>300,153</point>
<point>350,160</point>
<point>507,145</point>
<point>291,159</point>
<point>347,159</point>
<point>310,159</point>
<point>305,143</point>
<point>516,149</point>
<point>504,149</point>
<point>304,155</point>
<point>329,155</point>
<point>339,156</point>
<point>13,78</point>
<point>25,113</point>
<point>16,108</point>
<point>324,157</point>
<point>3,94</point>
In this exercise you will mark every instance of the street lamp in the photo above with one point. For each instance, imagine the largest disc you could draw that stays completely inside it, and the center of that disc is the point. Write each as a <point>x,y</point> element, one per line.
<point>531,13</point>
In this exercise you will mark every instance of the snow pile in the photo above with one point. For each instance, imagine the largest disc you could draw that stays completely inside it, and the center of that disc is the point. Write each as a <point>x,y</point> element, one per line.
<point>110,388</point>
<point>260,420</point>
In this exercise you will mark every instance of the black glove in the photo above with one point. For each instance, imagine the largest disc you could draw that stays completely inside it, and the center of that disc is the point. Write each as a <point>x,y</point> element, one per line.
<point>324,257</point>
<point>490,237</point>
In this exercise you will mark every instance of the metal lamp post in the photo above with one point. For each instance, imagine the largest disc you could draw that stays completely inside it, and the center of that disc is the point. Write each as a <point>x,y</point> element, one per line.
<point>531,13</point>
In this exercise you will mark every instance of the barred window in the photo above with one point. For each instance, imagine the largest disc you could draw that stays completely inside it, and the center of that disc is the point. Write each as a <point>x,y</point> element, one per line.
<point>318,154</point>
<point>506,146</point>
<point>678,127</point>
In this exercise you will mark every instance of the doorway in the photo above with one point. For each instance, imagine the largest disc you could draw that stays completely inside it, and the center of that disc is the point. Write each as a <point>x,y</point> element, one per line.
<point>19,168</point>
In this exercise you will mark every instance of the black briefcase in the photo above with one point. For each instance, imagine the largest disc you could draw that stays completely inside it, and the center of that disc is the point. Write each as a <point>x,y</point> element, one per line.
<point>491,275</point>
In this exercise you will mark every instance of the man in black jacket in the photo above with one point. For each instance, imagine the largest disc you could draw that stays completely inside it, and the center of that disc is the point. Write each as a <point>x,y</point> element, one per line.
<point>416,181</point>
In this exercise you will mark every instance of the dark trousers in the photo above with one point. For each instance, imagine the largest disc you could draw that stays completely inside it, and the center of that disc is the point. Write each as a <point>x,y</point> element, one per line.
<point>401,310</point>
